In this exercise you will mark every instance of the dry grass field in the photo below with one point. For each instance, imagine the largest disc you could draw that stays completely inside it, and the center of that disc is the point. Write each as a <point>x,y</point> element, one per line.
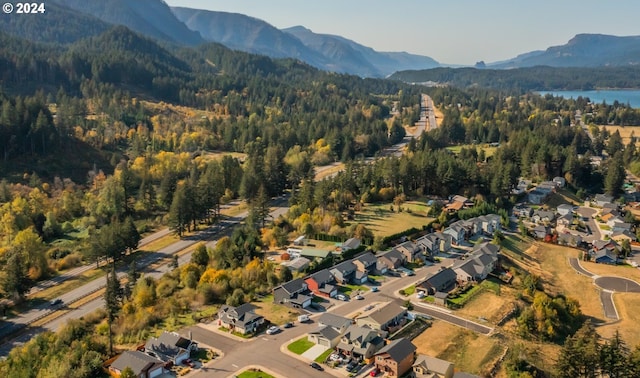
<point>625,131</point>
<point>470,352</point>
<point>383,222</point>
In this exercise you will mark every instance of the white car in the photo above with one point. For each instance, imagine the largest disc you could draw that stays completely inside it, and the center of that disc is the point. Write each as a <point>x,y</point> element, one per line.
<point>359,297</point>
<point>420,294</point>
<point>341,297</point>
<point>273,330</point>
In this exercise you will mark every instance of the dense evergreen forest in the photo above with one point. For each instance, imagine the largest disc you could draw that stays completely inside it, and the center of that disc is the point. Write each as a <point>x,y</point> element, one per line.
<point>150,130</point>
<point>539,78</point>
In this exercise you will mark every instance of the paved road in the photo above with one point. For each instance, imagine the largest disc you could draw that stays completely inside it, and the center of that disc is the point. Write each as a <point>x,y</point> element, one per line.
<point>578,268</point>
<point>223,228</point>
<point>618,284</point>
<point>608,306</point>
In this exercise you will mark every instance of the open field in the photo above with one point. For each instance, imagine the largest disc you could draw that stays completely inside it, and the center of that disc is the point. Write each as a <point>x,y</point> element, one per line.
<point>469,351</point>
<point>563,196</point>
<point>273,312</point>
<point>488,150</point>
<point>382,221</point>
<point>625,131</point>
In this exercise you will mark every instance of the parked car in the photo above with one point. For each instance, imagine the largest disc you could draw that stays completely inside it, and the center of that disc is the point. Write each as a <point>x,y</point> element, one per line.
<point>342,297</point>
<point>335,357</point>
<point>359,297</point>
<point>356,368</point>
<point>303,318</point>
<point>374,372</point>
<point>56,302</point>
<point>273,330</point>
<point>374,289</point>
<point>316,366</point>
<point>351,365</point>
<point>420,294</point>
<point>288,325</point>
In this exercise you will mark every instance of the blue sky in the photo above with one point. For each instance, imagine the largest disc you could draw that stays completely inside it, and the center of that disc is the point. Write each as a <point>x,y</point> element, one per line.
<point>450,31</point>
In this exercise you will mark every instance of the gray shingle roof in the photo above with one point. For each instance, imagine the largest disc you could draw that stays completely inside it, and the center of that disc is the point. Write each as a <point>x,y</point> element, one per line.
<point>333,320</point>
<point>136,360</point>
<point>398,349</point>
<point>433,364</point>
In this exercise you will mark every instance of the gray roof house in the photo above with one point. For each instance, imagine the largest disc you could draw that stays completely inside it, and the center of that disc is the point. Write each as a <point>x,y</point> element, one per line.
<point>478,265</point>
<point>361,342</point>
<point>169,347</point>
<point>543,216</point>
<point>564,209</point>
<point>536,196</point>
<point>458,232</point>
<point>292,293</point>
<point>392,259</point>
<point>434,243</point>
<point>325,336</point>
<point>602,199</point>
<point>339,323</point>
<point>430,367</point>
<point>351,243</point>
<point>384,318</point>
<point>443,280</point>
<point>344,272</point>
<point>240,319</point>
<point>142,364</point>
<point>322,283</point>
<point>411,251</point>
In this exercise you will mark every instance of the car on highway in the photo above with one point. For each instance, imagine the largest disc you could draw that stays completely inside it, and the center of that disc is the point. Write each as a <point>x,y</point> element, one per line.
<point>273,330</point>
<point>316,366</point>
<point>56,302</point>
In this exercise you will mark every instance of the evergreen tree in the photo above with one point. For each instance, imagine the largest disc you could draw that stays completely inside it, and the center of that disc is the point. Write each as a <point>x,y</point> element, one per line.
<point>580,355</point>
<point>615,175</point>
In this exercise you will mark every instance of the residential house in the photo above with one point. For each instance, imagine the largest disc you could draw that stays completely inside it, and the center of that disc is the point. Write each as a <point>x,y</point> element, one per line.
<point>543,216</point>
<point>564,209</point>
<point>547,187</point>
<point>560,182</point>
<point>325,336</point>
<point>536,196</point>
<point>434,243</point>
<point>143,365</point>
<point>522,211</point>
<point>604,251</point>
<point>396,358</point>
<point>540,232</point>
<point>619,236</point>
<point>392,259</point>
<point>489,223</point>
<point>169,347</point>
<point>361,343</point>
<point>444,280</point>
<point>389,317</point>
<point>298,264</point>
<point>411,251</point>
<point>430,367</point>
<point>344,272</point>
<point>621,226</point>
<point>602,199</point>
<point>351,243</point>
<point>366,263</point>
<point>565,220</point>
<point>482,261</point>
<point>457,231</point>
<point>331,328</point>
<point>570,239</point>
<point>614,220</point>
<point>321,283</point>
<point>241,319</point>
<point>292,293</point>
<point>337,322</point>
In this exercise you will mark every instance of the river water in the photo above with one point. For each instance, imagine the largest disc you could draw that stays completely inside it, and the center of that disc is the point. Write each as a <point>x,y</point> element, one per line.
<point>624,96</point>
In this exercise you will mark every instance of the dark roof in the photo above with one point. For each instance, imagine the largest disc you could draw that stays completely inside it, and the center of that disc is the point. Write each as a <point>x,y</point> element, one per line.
<point>344,267</point>
<point>327,332</point>
<point>384,314</point>
<point>367,258</point>
<point>322,276</point>
<point>333,320</point>
<point>398,349</point>
<point>440,278</point>
<point>136,360</point>
<point>393,255</point>
<point>165,346</point>
<point>293,286</point>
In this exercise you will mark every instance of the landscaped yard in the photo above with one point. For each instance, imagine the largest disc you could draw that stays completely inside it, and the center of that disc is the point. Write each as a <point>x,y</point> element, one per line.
<point>349,289</point>
<point>321,358</point>
<point>384,222</point>
<point>300,346</point>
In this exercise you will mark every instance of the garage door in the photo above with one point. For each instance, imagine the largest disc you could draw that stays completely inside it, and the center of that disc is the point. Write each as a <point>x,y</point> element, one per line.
<point>156,373</point>
<point>324,342</point>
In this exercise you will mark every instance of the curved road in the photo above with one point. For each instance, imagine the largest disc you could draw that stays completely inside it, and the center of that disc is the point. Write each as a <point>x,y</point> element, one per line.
<point>608,285</point>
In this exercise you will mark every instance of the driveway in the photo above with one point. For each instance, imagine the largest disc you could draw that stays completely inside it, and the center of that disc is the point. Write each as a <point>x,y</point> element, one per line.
<point>314,352</point>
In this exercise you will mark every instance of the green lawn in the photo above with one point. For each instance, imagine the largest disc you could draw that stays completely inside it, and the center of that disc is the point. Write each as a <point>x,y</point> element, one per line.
<point>300,346</point>
<point>254,374</point>
<point>410,290</point>
<point>348,289</point>
<point>321,358</point>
